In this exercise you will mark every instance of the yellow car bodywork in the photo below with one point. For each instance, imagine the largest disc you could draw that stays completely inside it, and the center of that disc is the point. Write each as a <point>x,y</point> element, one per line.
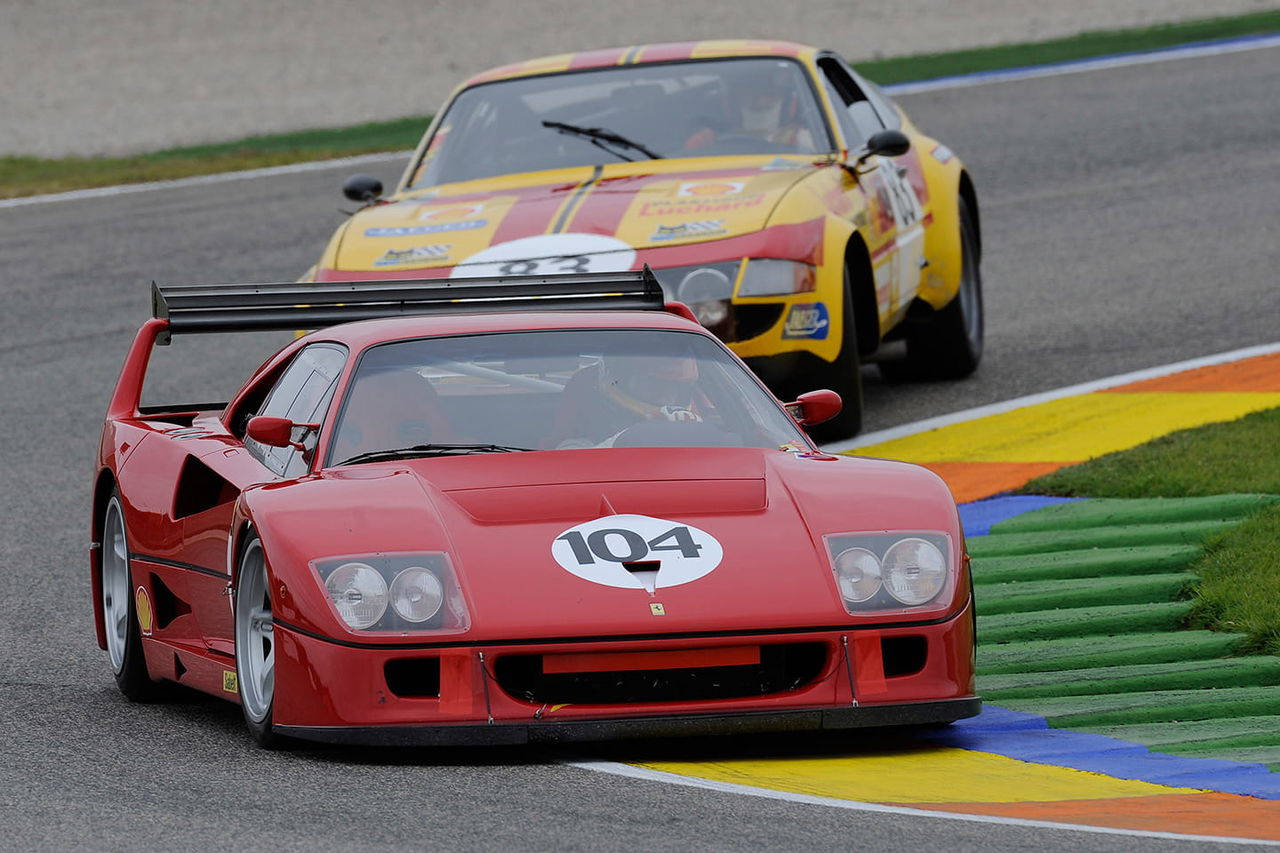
<point>882,234</point>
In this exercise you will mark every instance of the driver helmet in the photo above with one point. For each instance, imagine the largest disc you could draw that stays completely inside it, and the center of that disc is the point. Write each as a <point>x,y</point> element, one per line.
<point>651,385</point>
<point>760,91</point>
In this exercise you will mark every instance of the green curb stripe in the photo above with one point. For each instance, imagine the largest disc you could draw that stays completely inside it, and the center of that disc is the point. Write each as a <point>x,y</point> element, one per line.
<point>1203,732</point>
<point>1092,652</point>
<point>1268,755</point>
<point>1108,512</point>
<point>1089,712</point>
<point>1178,533</point>
<point>1092,563</point>
<point>1239,672</point>
<point>1083,621</point>
<point>1055,594</point>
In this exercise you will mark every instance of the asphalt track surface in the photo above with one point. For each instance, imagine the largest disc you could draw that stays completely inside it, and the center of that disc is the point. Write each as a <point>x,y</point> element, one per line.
<point>1127,221</point>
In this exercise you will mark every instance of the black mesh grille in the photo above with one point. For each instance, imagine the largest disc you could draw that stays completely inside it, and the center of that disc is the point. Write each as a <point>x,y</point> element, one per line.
<point>754,319</point>
<point>781,668</point>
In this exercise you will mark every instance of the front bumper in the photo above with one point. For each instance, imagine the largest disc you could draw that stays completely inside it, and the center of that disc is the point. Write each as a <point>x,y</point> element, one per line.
<point>591,689</point>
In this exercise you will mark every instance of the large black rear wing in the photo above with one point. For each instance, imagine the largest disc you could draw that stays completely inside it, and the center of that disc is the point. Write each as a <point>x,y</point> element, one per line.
<point>193,309</point>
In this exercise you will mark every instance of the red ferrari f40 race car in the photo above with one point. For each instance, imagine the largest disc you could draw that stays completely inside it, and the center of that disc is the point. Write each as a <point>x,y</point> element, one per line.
<point>509,510</point>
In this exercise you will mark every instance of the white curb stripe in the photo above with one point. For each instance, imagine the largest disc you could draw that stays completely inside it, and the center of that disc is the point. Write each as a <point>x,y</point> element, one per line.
<point>870,438</point>
<point>1076,66</point>
<point>633,772</point>
<point>955,82</point>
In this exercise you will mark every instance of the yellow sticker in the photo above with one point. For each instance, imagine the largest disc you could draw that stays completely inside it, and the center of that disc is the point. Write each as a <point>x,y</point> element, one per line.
<point>229,682</point>
<point>142,604</point>
<point>657,609</point>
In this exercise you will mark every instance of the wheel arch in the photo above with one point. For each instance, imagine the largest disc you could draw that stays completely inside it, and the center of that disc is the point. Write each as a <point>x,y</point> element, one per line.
<point>862,287</point>
<point>103,487</point>
<point>970,196</point>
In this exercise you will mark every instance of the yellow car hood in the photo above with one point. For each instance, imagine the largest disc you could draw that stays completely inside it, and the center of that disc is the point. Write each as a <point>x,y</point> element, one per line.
<point>614,209</point>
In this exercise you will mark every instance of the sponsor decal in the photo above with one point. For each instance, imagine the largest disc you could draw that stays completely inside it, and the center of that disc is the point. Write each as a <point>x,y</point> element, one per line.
<point>941,153</point>
<point>549,254</point>
<point>229,682</point>
<point>807,320</point>
<point>411,230</point>
<point>637,552</point>
<point>450,212</point>
<point>142,608</point>
<point>700,228</point>
<point>674,207</point>
<point>710,189</point>
<point>418,254</point>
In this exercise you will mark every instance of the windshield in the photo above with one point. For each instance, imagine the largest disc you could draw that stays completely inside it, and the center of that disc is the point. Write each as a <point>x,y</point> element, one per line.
<point>637,112</point>
<point>551,390</point>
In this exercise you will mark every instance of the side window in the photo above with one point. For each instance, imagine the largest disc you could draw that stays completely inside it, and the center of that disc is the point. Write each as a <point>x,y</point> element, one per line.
<point>302,394</point>
<point>860,118</point>
<point>883,105</point>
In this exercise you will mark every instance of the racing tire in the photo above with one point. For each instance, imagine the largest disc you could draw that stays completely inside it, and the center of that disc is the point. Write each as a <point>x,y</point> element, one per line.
<point>948,345</point>
<point>255,644</point>
<point>844,376</point>
<point>119,610</point>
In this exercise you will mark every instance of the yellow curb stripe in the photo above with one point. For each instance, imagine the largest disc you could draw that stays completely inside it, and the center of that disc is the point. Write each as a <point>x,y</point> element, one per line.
<point>927,775</point>
<point>1071,429</point>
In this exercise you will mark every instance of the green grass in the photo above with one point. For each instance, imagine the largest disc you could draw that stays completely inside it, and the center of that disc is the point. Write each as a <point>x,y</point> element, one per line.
<point>1239,587</point>
<point>21,176</point>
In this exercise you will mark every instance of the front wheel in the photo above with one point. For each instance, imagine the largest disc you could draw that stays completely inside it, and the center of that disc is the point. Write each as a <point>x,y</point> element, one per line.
<point>844,376</point>
<point>255,644</point>
<point>948,345</point>
<point>119,610</point>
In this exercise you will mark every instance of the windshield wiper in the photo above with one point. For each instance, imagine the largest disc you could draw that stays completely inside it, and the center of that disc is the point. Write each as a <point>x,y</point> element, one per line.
<point>599,136</point>
<point>418,451</point>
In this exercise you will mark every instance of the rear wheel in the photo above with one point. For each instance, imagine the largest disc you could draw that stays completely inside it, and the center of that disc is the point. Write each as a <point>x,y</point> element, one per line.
<point>844,376</point>
<point>124,639</point>
<point>255,644</point>
<point>948,345</point>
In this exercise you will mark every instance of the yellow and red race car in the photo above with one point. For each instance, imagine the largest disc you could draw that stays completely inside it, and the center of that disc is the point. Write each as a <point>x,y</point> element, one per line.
<point>784,198</point>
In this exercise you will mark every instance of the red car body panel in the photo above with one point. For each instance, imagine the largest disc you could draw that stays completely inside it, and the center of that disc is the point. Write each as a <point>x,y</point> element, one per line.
<point>189,488</point>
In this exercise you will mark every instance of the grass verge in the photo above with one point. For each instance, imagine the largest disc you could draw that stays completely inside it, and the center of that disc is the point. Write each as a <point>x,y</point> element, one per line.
<point>1239,589</point>
<point>23,176</point>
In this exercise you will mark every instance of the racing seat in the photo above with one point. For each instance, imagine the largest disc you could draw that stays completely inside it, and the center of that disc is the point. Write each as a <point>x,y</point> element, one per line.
<point>391,409</point>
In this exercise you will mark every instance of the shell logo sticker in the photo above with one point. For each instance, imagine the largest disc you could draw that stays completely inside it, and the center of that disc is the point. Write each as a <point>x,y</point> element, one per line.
<point>711,189</point>
<point>450,212</point>
<point>637,552</point>
<point>142,607</point>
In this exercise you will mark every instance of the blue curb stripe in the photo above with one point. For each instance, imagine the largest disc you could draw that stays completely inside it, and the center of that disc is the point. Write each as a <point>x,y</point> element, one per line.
<point>978,517</point>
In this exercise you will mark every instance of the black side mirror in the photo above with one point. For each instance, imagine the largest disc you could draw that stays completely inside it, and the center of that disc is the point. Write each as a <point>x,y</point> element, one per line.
<point>888,143</point>
<point>362,188</point>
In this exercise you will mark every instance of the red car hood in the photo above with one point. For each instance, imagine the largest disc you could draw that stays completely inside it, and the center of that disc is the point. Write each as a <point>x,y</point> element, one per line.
<point>518,528</point>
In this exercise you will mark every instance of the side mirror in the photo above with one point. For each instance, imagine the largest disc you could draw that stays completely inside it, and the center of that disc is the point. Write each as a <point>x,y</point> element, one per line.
<point>814,407</point>
<point>362,188</point>
<point>888,143</point>
<point>274,432</point>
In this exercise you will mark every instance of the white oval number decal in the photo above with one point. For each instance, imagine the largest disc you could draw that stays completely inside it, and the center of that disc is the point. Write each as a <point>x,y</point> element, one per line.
<point>637,552</point>
<point>549,254</point>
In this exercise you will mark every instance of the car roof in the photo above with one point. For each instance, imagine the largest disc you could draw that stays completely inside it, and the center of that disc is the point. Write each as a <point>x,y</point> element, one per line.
<point>644,54</point>
<point>366,333</point>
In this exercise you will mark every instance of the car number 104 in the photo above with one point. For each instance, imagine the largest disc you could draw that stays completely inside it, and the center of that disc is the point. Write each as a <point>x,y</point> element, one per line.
<point>597,544</point>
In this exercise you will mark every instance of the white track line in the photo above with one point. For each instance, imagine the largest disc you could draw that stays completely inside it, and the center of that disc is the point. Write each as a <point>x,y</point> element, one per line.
<point>618,769</point>
<point>955,82</point>
<point>870,438</point>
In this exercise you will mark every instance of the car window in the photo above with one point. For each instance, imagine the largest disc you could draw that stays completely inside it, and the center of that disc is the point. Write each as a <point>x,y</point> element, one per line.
<point>860,119</point>
<point>557,390</point>
<point>758,105</point>
<point>302,394</point>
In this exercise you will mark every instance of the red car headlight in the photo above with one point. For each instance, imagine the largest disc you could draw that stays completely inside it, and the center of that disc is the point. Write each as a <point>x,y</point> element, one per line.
<point>891,571</point>
<point>411,592</point>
